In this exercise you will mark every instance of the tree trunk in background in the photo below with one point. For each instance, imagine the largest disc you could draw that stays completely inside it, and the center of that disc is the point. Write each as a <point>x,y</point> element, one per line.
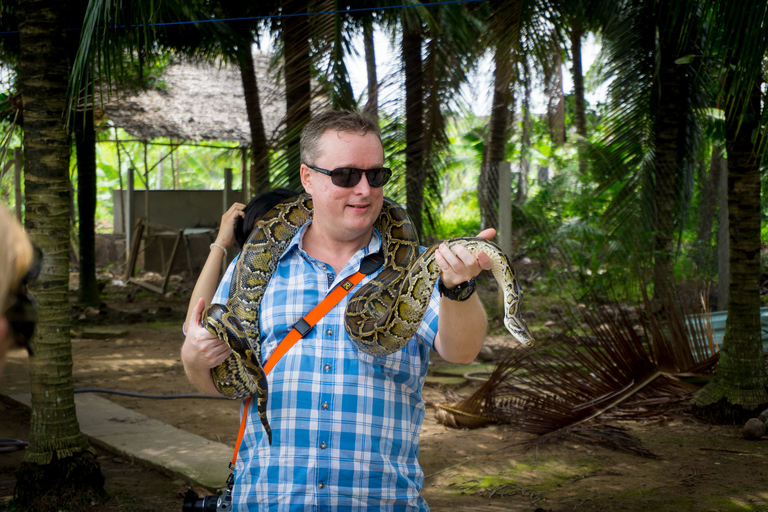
<point>580,105</point>
<point>259,172</point>
<point>704,250</point>
<point>669,132</point>
<point>525,144</point>
<point>556,102</point>
<point>493,153</point>
<point>298,91</point>
<point>738,391</point>
<point>372,105</point>
<point>85,142</point>
<point>723,239</point>
<point>414,122</point>
<point>59,468</point>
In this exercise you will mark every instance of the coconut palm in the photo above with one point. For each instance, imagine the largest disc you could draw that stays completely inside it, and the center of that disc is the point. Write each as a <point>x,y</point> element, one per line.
<point>517,31</point>
<point>59,466</point>
<point>438,46</point>
<point>653,133</point>
<point>739,42</point>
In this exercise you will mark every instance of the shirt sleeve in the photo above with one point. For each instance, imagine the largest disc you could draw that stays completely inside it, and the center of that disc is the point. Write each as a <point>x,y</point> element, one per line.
<point>222,292</point>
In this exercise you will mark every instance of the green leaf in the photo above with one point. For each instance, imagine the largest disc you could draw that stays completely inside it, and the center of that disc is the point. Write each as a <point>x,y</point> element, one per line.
<point>686,59</point>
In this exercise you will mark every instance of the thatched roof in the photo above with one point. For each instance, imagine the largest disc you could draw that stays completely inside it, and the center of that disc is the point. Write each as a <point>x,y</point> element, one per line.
<point>199,101</point>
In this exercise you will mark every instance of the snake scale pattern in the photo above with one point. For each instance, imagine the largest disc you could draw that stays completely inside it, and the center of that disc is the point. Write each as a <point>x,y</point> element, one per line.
<point>381,317</point>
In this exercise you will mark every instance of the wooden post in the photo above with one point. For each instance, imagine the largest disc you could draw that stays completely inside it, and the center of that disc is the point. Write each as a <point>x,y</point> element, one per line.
<point>505,217</point>
<point>227,197</point>
<point>224,207</point>
<point>128,213</point>
<point>244,171</point>
<point>17,181</point>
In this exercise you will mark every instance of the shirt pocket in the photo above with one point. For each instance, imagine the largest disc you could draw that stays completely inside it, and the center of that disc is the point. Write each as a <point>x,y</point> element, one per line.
<point>404,367</point>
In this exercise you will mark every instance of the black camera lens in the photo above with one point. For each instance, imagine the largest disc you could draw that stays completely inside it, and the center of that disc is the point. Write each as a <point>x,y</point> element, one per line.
<point>193,503</point>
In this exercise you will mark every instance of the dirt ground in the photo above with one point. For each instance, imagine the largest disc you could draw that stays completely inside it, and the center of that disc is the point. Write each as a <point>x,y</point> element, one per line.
<point>700,467</point>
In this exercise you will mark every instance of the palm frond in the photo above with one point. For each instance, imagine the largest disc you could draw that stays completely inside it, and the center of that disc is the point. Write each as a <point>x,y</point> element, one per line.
<point>618,363</point>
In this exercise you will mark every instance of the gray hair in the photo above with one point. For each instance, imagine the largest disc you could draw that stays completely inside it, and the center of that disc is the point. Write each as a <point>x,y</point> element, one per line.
<point>338,120</point>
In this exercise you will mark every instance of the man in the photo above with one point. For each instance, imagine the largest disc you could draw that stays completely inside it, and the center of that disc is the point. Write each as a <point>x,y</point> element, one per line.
<point>346,425</point>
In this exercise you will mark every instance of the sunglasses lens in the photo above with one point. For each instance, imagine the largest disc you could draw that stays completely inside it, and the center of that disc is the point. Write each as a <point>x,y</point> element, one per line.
<point>378,177</point>
<point>346,177</point>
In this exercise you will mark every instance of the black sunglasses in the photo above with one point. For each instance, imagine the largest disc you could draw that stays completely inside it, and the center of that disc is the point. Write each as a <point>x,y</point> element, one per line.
<point>22,314</point>
<point>348,177</point>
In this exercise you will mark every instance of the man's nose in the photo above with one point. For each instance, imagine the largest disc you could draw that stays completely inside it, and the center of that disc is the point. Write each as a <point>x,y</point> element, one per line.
<point>363,188</point>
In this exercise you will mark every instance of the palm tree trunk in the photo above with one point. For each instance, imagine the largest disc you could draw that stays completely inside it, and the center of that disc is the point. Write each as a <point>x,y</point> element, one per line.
<point>58,461</point>
<point>414,123</point>
<point>669,133</point>
<point>493,153</point>
<point>259,172</point>
<point>85,142</point>
<point>704,250</point>
<point>580,115</point>
<point>298,91</point>
<point>372,105</point>
<point>738,391</point>
<point>556,103</point>
<point>525,144</point>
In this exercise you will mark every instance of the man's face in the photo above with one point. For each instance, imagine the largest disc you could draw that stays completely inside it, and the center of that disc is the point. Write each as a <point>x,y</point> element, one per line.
<point>345,213</point>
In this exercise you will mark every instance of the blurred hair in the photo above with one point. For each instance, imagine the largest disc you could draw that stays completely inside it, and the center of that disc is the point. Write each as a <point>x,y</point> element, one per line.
<point>339,120</point>
<point>16,257</point>
<point>257,208</point>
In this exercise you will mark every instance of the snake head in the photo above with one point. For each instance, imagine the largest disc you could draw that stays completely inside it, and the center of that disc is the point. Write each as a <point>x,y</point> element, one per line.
<point>519,329</point>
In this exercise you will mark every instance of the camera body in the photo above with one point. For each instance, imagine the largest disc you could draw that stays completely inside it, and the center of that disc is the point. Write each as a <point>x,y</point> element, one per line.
<point>222,503</point>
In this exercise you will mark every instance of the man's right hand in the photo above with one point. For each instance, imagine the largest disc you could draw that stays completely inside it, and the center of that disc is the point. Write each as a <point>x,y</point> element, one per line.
<point>202,351</point>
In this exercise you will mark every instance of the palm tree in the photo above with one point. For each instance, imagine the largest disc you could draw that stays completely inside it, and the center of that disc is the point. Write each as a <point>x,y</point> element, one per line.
<point>438,46</point>
<point>84,133</point>
<point>517,31</point>
<point>653,131</point>
<point>59,465</point>
<point>738,38</point>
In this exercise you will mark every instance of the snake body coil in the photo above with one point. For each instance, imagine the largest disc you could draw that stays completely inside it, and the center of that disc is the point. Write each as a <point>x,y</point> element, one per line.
<point>381,317</point>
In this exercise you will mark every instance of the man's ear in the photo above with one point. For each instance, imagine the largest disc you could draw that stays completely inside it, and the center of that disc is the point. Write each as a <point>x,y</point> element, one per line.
<point>306,181</point>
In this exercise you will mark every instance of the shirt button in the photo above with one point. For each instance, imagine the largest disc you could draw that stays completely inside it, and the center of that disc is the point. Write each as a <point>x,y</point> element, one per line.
<point>325,405</point>
<point>321,485</point>
<point>325,267</point>
<point>322,445</point>
<point>329,332</point>
<point>327,367</point>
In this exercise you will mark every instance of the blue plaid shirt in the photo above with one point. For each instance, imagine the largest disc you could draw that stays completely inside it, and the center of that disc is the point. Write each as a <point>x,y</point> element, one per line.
<point>345,424</point>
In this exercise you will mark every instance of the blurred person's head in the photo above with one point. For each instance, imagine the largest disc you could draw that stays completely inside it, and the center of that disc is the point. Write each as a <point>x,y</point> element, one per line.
<point>257,208</point>
<point>18,313</point>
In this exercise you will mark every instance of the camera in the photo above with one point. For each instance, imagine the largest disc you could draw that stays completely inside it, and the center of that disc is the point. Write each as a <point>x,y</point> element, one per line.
<point>222,503</point>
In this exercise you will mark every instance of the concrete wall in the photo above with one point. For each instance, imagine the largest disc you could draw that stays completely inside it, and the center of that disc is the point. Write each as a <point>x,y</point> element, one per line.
<point>176,209</point>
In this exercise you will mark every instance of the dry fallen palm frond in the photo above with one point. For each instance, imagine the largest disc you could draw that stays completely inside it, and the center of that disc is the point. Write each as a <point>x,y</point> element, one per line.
<point>628,368</point>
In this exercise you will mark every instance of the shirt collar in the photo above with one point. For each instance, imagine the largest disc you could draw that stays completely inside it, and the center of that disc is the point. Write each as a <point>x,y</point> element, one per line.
<point>374,245</point>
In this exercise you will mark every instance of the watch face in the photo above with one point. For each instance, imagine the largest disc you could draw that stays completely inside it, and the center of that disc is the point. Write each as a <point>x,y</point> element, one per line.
<point>466,292</point>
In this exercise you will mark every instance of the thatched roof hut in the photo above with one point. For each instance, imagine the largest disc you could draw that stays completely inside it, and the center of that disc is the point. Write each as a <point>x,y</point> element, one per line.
<point>199,101</point>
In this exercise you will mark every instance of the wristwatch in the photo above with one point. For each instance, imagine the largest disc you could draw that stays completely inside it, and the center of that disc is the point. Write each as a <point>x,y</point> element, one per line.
<point>461,293</point>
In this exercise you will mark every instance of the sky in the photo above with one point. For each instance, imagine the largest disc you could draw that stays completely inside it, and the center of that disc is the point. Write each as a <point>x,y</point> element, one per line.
<point>478,91</point>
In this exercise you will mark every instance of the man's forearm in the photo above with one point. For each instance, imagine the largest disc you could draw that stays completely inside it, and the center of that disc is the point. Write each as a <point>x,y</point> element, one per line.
<point>461,329</point>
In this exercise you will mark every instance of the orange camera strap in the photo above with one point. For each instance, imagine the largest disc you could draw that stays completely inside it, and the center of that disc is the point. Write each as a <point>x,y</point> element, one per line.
<point>369,265</point>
